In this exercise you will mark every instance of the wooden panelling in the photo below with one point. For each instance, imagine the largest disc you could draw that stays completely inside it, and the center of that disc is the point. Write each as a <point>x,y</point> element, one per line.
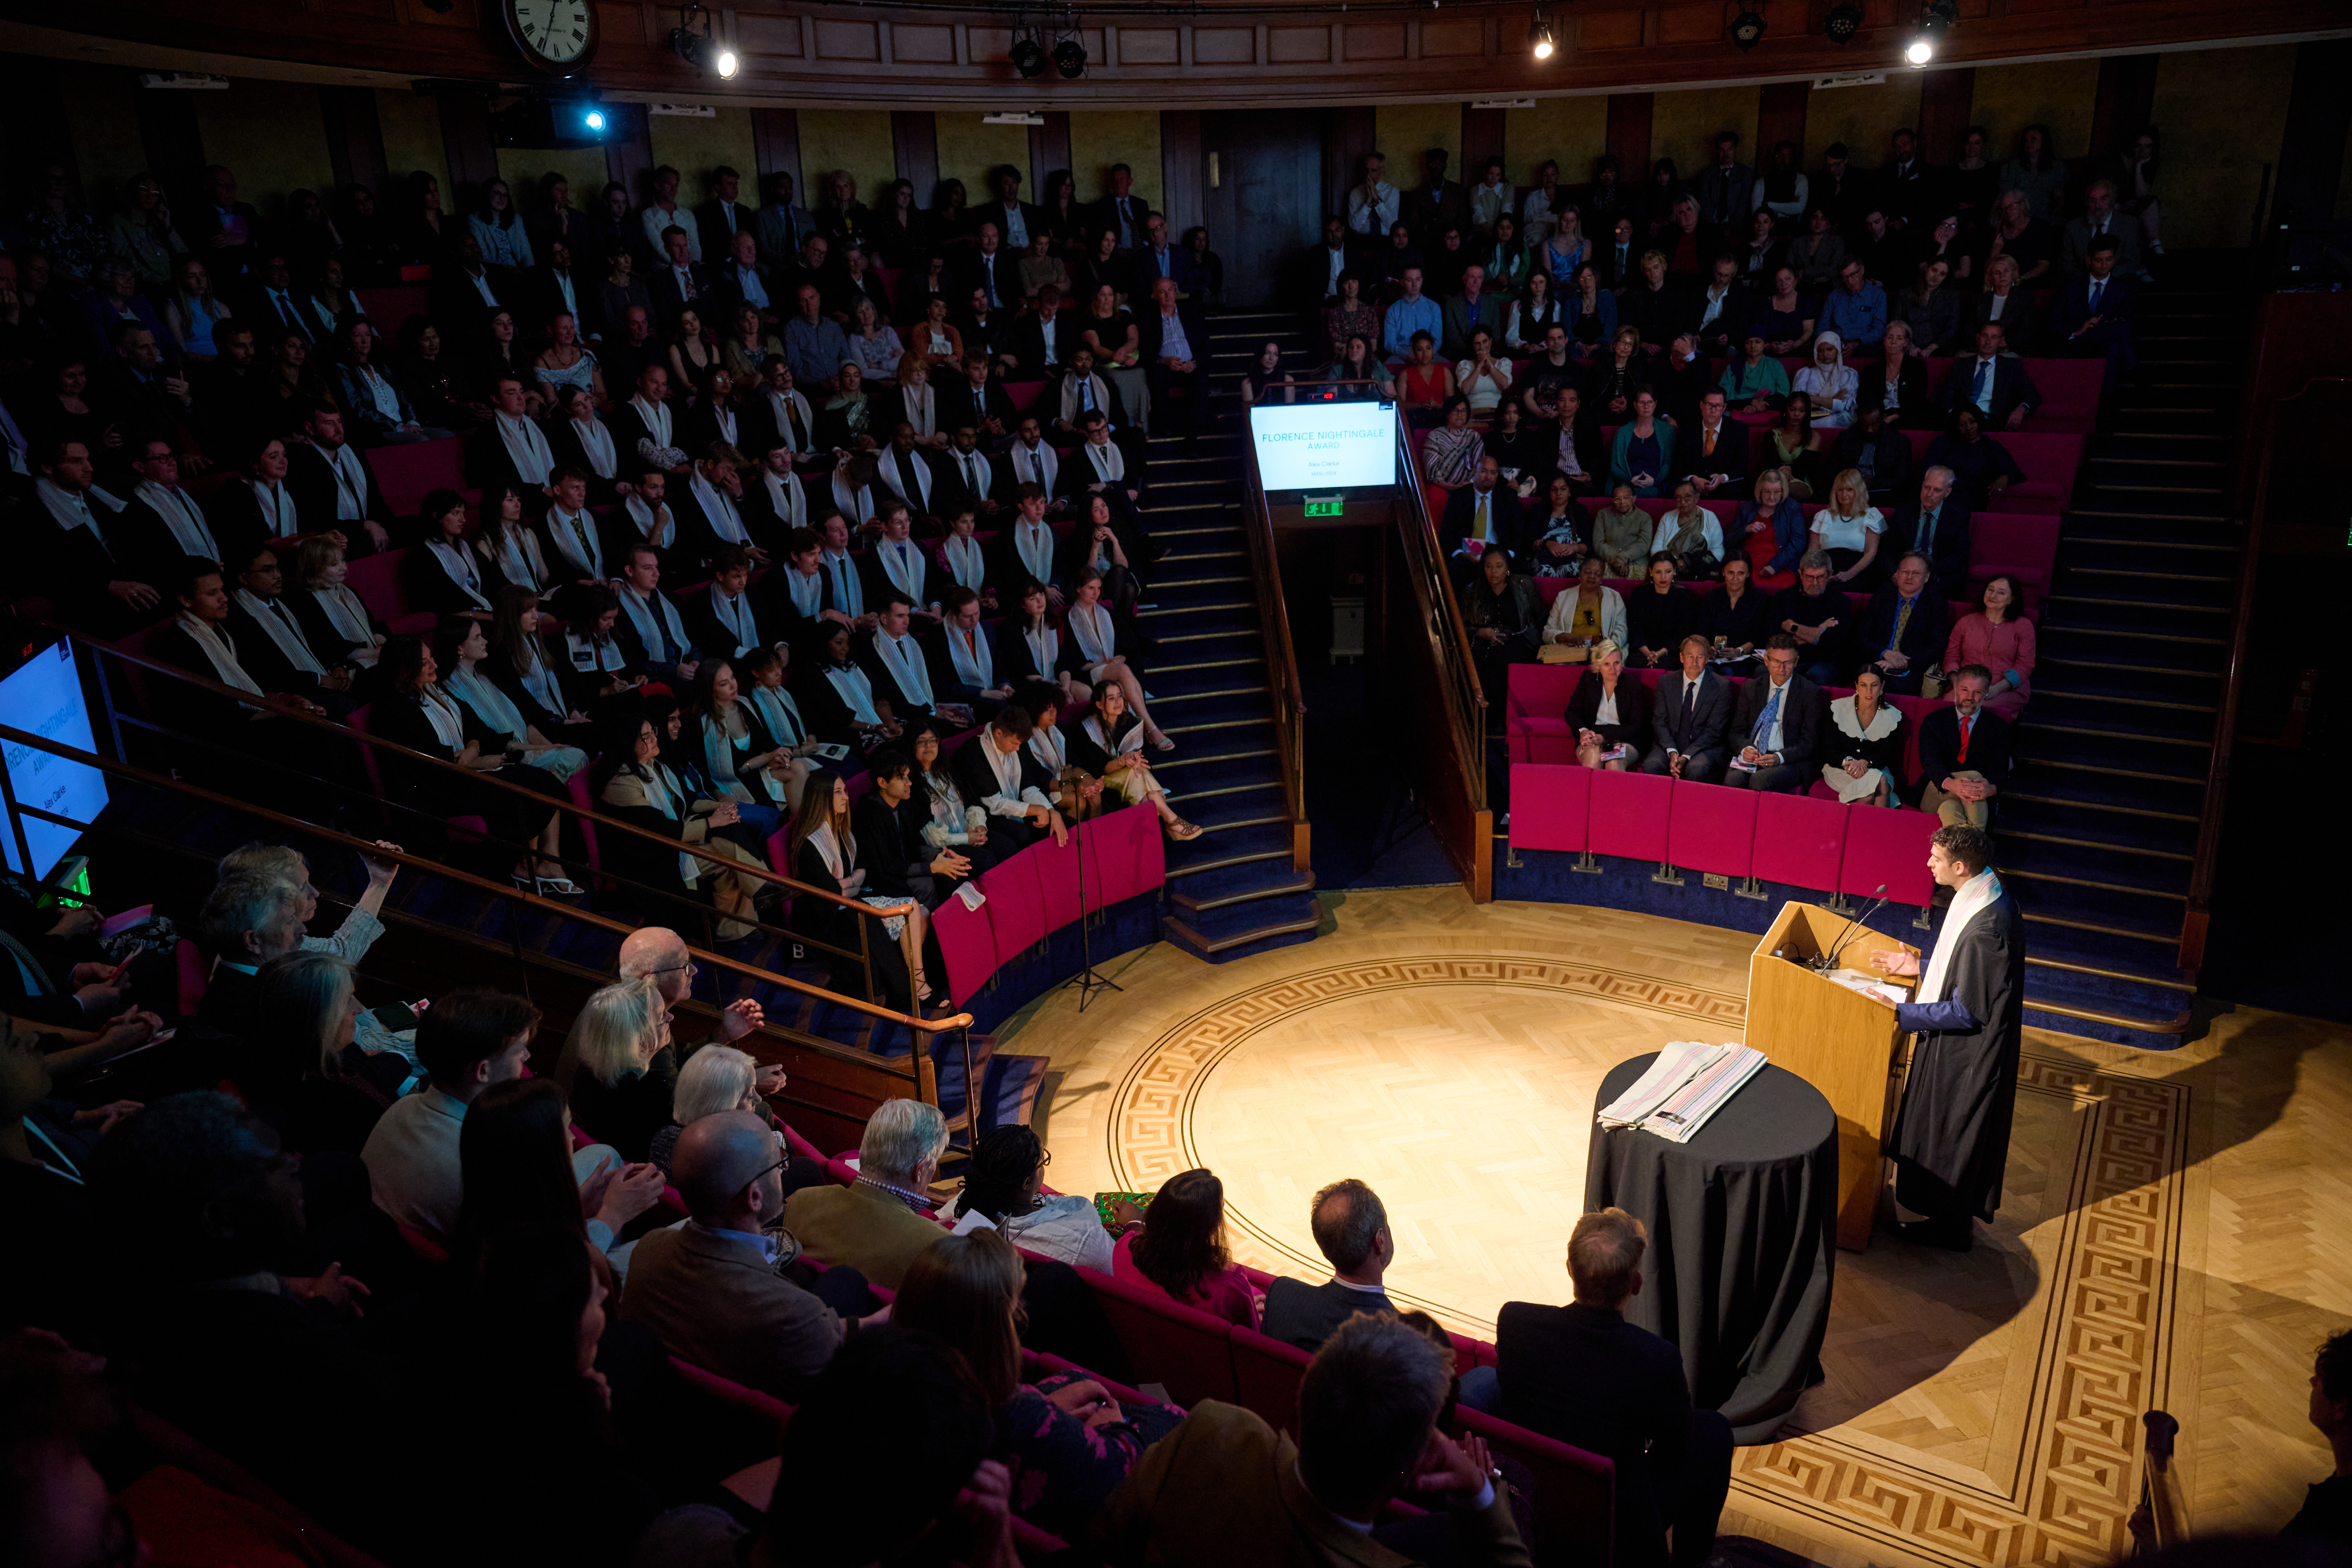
<point>1600,32</point>
<point>1445,40</point>
<point>1049,149</point>
<point>2126,99</point>
<point>1482,138</point>
<point>465,137</point>
<point>1946,99</point>
<point>1690,24</point>
<point>1181,175</point>
<point>756,35</point>
<point>1225,46</point>
<point>915,147</point>
<point>776,145</point>
<point>1375,41</point>
<point>1348,134</point>
<point>629,150</point>
<point>838,38</point>
<point>167,129</point>
<point>1147,45</point>
<point>1629,135</point>
<point>1298,46</point>
<point>355,136</point>
<point>1780,116</point>
<point>922,44</point>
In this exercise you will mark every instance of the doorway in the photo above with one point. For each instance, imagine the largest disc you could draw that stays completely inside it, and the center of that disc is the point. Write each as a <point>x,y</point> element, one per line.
<point>1266,205</point>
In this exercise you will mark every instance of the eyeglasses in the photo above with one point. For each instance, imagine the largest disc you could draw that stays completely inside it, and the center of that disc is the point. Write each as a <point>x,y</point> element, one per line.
<point>755,1181</point>
<point>690,966</point>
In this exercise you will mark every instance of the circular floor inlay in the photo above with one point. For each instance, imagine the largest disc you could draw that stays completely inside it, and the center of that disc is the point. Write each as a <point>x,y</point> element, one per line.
<point>1460,1088</point>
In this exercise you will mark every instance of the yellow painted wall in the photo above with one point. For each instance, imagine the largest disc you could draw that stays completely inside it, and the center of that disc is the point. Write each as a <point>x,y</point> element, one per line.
<point>271,134</point>
<point>969,150</point>
<point>584,167</point>
<point>1683,125</point>
<point>2222,113</point>
<point>1099,138</point>
<point>411,140</point>
<point>1863,118</point>
<point>695,147</point>
<point>1574,131</point>
<point>2060,94</point>
<point>857,140</point>
<point>101,116</point>
<point>1406,131</point>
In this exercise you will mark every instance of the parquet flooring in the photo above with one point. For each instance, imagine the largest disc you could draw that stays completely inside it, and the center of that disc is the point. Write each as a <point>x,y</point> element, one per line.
<point>2176,1228</point>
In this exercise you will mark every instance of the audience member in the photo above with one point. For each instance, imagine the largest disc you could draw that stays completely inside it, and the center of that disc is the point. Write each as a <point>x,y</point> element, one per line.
<point>1997,637</point>
<point>879,1225</point>
<point>1902,632</point>
<point>1182,1254</point>
<point>1777,723</point>
<point>1690,712</point>
<point>1351,1230</point>
<point>1964,754</point>
<point>1869,737</point>
<point>517,1169</point>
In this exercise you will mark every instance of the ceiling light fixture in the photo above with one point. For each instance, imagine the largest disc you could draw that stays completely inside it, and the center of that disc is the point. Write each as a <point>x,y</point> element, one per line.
<point>1746,31</point>
<point>1070,58</point>
<point>1935,21</point>
<point>699,47</point>
<point>1028,56</point>
<point>1540,41</point>
<point>1841,24</point>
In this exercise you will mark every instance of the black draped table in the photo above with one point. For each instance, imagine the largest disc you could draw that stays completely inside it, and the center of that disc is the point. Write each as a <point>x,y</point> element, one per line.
<point>1743,1236</point>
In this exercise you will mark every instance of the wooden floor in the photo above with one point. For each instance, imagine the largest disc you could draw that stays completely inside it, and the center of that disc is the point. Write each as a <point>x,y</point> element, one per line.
<point>2175,1230</point>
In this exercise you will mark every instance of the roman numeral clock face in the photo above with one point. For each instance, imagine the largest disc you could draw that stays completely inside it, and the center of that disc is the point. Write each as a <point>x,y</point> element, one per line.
<point>554,35</point>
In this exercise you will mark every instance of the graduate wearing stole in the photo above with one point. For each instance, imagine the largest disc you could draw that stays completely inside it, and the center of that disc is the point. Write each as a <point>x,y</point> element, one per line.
<point>1951,1138</point>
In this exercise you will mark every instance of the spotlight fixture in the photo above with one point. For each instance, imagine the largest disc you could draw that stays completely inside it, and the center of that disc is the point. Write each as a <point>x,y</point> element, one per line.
<point>1070,58</point>
<point>1841,24</point>
<point>1935,20</point>
<point>594,120</point>
<point>1540,42</point>
<point>1746,31</point>
<point>699,47</point>
<point>1028,56</point>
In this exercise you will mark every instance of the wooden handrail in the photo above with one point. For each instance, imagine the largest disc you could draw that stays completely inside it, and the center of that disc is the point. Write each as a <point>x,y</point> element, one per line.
<point>2204,869</point>
<point>346,733</point>
<point>1435,548</point>
<point>1275,643</point>
<point>372,850</point>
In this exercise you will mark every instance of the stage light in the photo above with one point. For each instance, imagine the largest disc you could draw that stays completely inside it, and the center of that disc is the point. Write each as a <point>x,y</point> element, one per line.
<point>727,63</point>
<point>594,120</point>
<point>1841,24</point>
<point>702,49</point>
<point>1070,58</point>
<point>1746,31</point>
<point>1935,21</point>
<point>1029,57</point>
<point>1540,42</point>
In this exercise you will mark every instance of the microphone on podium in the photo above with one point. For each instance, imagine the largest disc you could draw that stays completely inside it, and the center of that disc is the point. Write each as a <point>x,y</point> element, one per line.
<point>1829,960</point>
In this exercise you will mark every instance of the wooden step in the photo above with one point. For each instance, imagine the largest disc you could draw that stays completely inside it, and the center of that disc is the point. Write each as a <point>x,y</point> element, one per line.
<point>1258,934</point>
<point>1298,882</point>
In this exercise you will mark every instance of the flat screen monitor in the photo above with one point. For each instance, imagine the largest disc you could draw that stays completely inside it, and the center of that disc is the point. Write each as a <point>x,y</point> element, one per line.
<point>44,698</point>
<point>1324,446</point>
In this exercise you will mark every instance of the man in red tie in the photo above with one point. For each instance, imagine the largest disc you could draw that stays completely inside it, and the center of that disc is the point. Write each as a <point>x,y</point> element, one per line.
<point>1963,753</point>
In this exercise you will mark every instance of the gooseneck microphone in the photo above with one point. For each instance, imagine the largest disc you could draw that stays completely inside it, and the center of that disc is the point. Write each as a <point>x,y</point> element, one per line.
<point>1829,960</point>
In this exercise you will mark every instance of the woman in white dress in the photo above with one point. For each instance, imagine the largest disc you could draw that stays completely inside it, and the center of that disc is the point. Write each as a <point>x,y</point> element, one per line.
<point>1849,528</point>
<point>1868,745</point>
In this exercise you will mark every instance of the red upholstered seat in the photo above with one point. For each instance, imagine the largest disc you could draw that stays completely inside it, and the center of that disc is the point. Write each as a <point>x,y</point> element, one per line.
<point>728,1391</point>
<point>1915,712</point>
<point>1183,1351</point>
<point>408,474</point>
<point>1550,803</point>
<point>2026,544</point>
<point>1266,1375</point>
<point>1628,815</point>
<point>577,787</point>
<point>376,580</point>
<point>1016,906</point>
<point>1574,1496</point>
<point>388,308</point>
<point>1024,393</point>
<point>969,945</point>
<point>1056,866</point>
<point>1712,828</point>
<point>1799,840</point>
<point>1889,848</point>
<point>1125,855</point>
<point>1534,720</point>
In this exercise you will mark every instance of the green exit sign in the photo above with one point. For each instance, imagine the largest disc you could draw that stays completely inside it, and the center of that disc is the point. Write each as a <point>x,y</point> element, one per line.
<point>1322,506</point>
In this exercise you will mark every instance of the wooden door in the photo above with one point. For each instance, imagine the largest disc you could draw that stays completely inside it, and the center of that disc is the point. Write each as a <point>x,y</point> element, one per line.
<point>1265,206</point>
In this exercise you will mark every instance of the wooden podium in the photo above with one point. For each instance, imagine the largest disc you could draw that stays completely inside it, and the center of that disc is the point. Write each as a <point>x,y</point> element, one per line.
<point>1841,1042</point>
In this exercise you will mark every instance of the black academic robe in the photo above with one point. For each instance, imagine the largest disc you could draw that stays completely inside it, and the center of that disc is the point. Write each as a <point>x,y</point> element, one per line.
<point>1950,1136</point>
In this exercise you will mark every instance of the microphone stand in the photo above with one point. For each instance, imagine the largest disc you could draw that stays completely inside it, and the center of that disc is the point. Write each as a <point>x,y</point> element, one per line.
<point>1858,926</point>
<point>1085,979</point>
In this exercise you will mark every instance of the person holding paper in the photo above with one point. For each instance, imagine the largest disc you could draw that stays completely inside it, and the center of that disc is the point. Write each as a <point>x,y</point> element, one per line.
<point>1609,713</point>
<point>1951,1138</point>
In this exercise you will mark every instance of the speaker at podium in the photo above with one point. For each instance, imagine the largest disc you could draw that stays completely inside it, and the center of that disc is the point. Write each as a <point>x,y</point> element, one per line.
<point>1840,1040</point>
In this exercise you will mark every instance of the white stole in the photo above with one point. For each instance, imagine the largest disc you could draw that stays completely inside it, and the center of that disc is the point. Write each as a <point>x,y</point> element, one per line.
<point>458,563</point>
<point>591,654</point>
<point>904,659</point>
<point>735,616</point>
<point>183,517</point>
<point>806,590</point>
<point>351,482</point>
<point>1045,745</point>
<point>596,446</point>
<point>1108,461</point>
<point>785,496</point>
<point>69,516</point>
<point>793,420</point>
<point>854,501</point>
<point>278,516</point>
<point>220,650</point>
<point>494,707</point>
<point>575,537</point>
<point>448,724</point>
<point>720,507</point>
<point>541,682</point>
<point>519,557</point>
<point>855,690</point>
<point>920,406</point>
<point>1132,739</point>
<point>1044,649</point>
<point>1035,549</point>
<point>974,663</point>
<point>966,563</point>
<point>276,628</point>
<point>350,618</point>
<point>1974,897</point>
<point>527,447</point>
<point>902,560</point>
<point>661,532</point>
<point>779,712</point>
<point>655,619</point>
<point>1041,467</point>
<point>839,855</point>
<point>657,418</point>
<point>1098,638</point>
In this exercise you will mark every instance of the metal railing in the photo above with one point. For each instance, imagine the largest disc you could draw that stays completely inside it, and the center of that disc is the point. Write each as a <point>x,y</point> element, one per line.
<point>1280,653</point>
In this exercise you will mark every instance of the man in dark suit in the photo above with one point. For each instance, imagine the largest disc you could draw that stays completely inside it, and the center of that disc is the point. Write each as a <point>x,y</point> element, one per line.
<point>723,618</point>
<point>1436,204</point>
<point>979,401</point>
<point>556,289</point>
<point>903,469</point>
<point>964,656</point>
<point>894,563</point>
<point>740,277</point>
<point>678,282</point>
<point>1711,451</point>
<point>269,306</point>
<point>1727,190</point>
<point>1654,304</point>
<point>510,448</point>
<point>1994,384</point>
<point>722,217</point>
<point>2093,314</point>
<point>1175,350</point>
<point>976,482</point>
<point>1937,526</point>
<point>991,269</point>
<point>1776,728</point>
<point>651,629</point>
<point>996,770</point>
<point>1483,509</point>
<point>1964,756</point>
<point>857,279</point>
<point>465,294</point>
<point>1027,549</point>
<point>1582,1375</point>
<point>1351,1228</point>
<point>90,556</point>
<point>895,660</point>
<point>1906,187</point>
<point>1815,614</point>
<point>270,640</point>
<point>1617,257</point>
<point>334,489</point>
<point>1902,632</point>
<point>1016,220</point>
<point>1689,718</point>
<point>1122,211</point>
<point>164,524</point>
<point>1157,257</point>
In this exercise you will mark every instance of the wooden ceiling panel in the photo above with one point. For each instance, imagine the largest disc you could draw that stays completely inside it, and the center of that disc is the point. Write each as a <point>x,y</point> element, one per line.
<point>1608,30</point>
<point>1443,40</point>
<point>1299,46</point>
<point>1375,40</point>
<point>1225,46</point>
<point>921,44</point>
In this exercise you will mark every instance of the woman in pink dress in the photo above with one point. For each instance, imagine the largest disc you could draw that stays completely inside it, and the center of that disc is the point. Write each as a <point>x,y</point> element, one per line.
<point>1180,1251</point>
<point>2000,638</point>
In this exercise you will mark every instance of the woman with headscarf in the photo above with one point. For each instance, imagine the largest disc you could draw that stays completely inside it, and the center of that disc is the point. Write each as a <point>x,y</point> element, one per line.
<point>1830,383</point>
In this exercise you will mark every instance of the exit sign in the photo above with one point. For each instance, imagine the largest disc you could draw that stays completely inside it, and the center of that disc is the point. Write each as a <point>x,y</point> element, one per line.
<point>1322,506</point>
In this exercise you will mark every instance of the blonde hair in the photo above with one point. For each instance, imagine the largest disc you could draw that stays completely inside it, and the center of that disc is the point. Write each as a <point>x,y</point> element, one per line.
<point>282,862</point>
<point>301,999</point>
<point>1603,648</point>
<point>967,1290</point>
<point>1604,1251</point>
<point>715,1078</point>
<point>318,553</point>
<point>608,1037</point>
<point>1851,478</point>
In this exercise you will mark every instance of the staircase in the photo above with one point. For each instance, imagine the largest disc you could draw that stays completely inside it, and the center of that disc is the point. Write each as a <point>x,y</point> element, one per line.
<point>2098,826</point>
<point>1232,892</point>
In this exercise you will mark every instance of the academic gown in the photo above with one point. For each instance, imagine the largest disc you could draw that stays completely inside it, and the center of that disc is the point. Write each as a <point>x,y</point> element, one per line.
<point>1952,1133</point>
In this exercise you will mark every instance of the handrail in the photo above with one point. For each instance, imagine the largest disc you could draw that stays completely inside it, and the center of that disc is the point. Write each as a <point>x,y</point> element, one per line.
<point>1434,553</point>
<point>2204,871</point>
<point>1281,654</point>
<point>373,850</point>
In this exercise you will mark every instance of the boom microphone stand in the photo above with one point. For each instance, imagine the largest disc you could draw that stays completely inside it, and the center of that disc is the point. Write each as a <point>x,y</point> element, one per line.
<point>1085,979</point>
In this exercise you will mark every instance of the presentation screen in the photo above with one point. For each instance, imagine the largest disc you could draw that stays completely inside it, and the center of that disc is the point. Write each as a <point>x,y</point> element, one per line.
<point>1324,446</point>
<point>44,699</point>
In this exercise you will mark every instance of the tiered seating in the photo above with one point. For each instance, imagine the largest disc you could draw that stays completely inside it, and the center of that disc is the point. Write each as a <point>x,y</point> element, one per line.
<point>1038,892</point>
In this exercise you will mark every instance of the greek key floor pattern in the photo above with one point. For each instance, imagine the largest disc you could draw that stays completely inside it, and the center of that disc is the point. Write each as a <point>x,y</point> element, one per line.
<point>2175,1228</point>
